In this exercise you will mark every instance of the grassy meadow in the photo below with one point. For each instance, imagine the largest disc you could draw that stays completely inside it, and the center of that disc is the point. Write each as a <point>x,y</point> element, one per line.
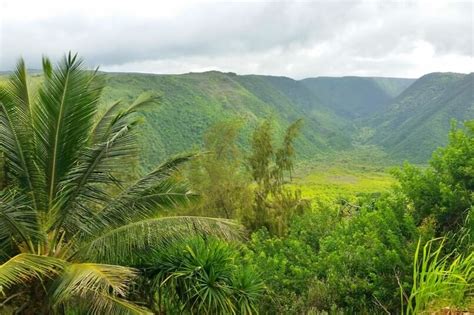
<point>329,182</point>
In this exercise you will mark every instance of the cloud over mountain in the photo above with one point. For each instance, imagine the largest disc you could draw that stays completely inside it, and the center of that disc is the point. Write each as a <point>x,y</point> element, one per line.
<point>296,39</point>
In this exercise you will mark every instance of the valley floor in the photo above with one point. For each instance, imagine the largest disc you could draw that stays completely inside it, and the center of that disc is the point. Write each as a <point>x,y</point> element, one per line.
<point>330,181</point>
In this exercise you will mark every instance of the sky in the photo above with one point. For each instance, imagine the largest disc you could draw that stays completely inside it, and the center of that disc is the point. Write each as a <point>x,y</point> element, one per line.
<point>290,38</point>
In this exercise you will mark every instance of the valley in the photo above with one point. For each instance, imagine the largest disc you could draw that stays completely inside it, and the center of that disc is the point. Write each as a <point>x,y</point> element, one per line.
<point>298,190</point>
<point>236,157</point>
<point>405,118</point>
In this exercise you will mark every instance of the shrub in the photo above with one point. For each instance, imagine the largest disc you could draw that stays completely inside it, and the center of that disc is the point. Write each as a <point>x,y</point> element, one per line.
<point>444,190</point>
<point>362,258</point>
<point>203,276</point>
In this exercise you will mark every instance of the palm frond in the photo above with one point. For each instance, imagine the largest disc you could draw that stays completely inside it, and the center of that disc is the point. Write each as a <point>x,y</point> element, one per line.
<point>103,124</point>
<point>100,303</point>
<point>18,222</point>
<point>97,287</point>
<point>24,267</point>
<point>20,88</point>
<point>146,197</point>
<point>85,186</point>
<point>126,243</point>
<point>83,278</point>
<point>143,100</point>
<point>116,112</point>
<point>16,134</point>
<point>47,67</point>
<point>63,118</point>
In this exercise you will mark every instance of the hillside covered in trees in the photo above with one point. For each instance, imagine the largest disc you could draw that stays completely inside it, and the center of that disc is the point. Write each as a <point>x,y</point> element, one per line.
<point>415,122</point>
<point>406,118</point>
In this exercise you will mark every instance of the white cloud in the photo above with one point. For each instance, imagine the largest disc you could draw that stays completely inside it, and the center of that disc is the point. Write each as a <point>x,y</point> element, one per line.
<point>297,39</point>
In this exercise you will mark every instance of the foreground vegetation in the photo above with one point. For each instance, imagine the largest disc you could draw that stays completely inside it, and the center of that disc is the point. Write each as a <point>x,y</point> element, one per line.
<point>349,239</point>
<point>223,231</point>
<point>71,230</point>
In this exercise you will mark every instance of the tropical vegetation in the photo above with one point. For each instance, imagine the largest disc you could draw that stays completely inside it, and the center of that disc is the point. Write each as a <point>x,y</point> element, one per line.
<point>264,212</point>
<point>71,227</point>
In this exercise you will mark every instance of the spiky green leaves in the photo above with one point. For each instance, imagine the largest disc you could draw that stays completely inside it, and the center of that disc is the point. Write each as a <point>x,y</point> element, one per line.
<point>128,243</point>
<point>205,276</point>
<point>63,119</point>
<point>440,281</point>
<point>24,267</point>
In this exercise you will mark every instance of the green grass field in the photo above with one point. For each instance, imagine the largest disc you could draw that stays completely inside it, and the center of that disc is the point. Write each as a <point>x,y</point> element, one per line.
<point>364,169</point>
<point>327,182</point>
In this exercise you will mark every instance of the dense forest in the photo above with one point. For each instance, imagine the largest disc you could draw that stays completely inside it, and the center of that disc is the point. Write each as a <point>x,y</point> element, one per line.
<point>215,193</point>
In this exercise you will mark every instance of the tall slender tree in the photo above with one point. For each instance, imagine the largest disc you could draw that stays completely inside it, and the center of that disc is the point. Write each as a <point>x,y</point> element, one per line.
<point>274,204</point>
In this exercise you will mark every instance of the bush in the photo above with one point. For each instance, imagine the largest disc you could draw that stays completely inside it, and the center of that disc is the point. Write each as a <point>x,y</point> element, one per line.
<point>362,258</point>
<point>332,259</point>
<point>202,276</point>
<point>443,191</point>
<point>289,263</point>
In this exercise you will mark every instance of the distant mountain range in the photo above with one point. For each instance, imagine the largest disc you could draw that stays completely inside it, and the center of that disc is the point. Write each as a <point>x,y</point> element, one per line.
<point>407,118</point>
<point>356,97</point>
<point>416,122</point>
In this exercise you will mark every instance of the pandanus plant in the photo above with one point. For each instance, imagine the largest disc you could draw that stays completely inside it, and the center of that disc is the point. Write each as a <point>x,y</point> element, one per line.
<point>68,226</point>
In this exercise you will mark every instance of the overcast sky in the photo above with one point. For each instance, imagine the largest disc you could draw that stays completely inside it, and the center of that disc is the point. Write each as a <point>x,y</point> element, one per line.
<point>296,39</point>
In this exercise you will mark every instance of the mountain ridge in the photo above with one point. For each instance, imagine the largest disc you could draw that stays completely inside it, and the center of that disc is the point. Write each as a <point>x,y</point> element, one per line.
<point>405,117</point>
<point>425,109</point>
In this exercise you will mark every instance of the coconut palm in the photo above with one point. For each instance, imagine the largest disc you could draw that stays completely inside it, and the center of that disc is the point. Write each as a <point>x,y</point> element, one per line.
<point>68,225</point>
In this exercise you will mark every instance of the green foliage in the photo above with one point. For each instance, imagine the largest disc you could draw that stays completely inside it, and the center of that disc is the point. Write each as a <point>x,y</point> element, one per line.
<point>274,205</point>
<point>218,176</point>
<point>203,276</point>
<point>362,258</point>
<point>287,267</point>
<point>417,121</point>
<point>289,264</point>
<point>440,282</point>
<point>253,189</point>
<point>333,258</point>
<point>444,190</point>
<point>64,210</point>
<point>353,256</point>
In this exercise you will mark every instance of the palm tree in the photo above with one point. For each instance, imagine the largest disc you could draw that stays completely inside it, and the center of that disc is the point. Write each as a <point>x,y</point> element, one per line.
<point>68,227</point>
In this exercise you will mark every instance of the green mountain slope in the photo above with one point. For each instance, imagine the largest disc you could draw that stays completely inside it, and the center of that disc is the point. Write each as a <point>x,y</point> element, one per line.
<point>407,118</point>
<point>356,97</point>
<point>418,120</point>
<point>292,99</point>
<point>192,102</point>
